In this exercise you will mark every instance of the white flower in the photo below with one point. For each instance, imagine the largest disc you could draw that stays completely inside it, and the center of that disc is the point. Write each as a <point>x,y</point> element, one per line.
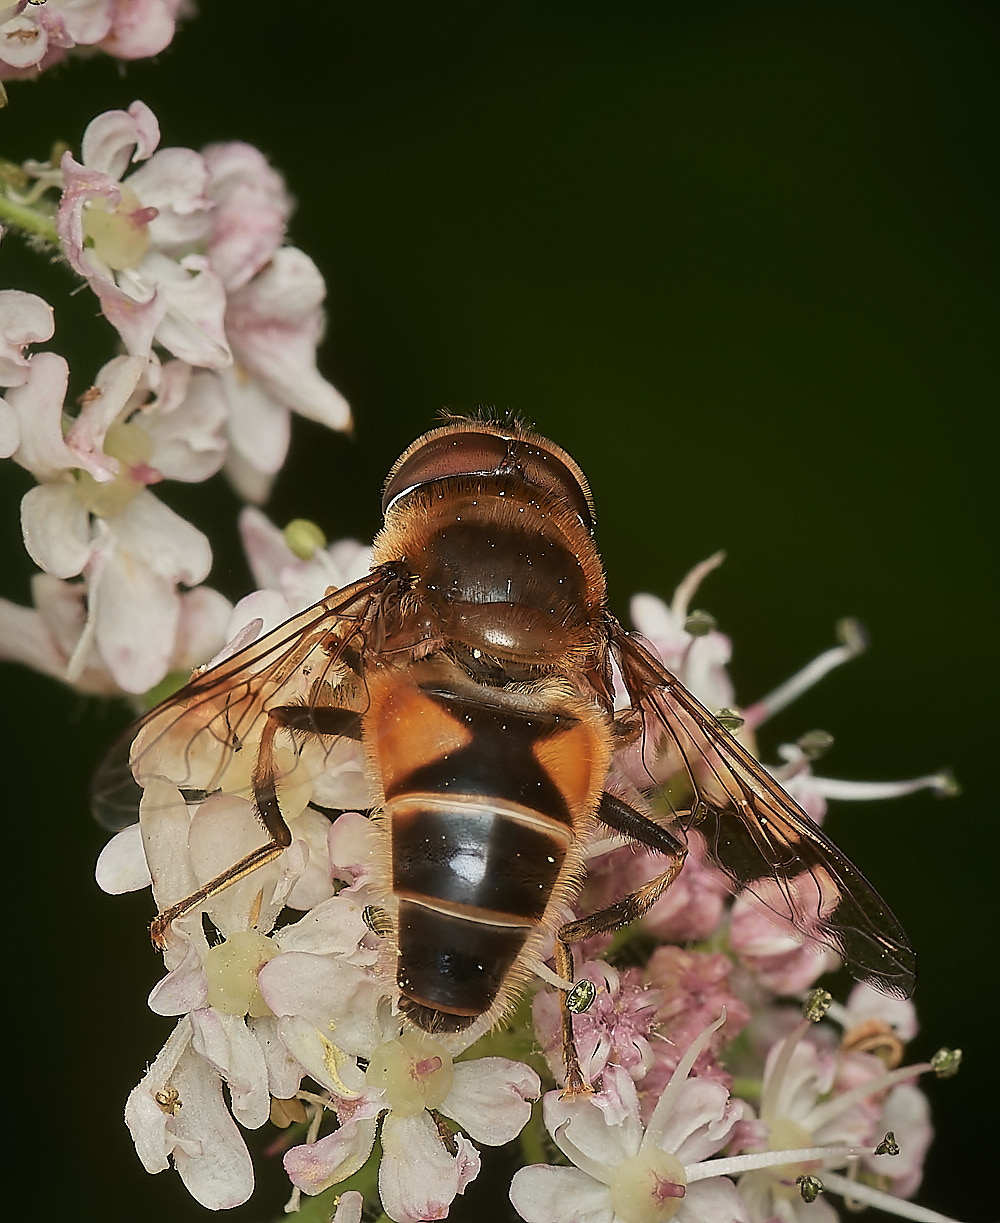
<point>627,1175</point>
<point>331,1013</point>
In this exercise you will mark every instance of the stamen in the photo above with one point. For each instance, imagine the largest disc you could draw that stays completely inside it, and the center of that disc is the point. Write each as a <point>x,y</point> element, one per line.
<point>860,1192</point>
<point>838,1104</point>
<point>665,1104</point>
<point>942,783</point>
<point>854,642</point>
<point>690,583</point>
<point>772,1087</point>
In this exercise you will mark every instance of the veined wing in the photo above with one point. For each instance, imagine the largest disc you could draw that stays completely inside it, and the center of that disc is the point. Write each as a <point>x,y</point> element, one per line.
<point>759,836</point>
<point>207,736</point>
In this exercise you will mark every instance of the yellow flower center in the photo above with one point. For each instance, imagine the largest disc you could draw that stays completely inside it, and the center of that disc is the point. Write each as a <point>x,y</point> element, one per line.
<point>131,446</point>
<point>415,1071</point>
<point>119,233</point>
<point>232,967</point>
<point>649,1187</point>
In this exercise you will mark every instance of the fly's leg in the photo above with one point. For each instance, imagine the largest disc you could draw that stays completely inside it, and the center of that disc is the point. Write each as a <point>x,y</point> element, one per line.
<point>323,720</point>
<point>636,827</point>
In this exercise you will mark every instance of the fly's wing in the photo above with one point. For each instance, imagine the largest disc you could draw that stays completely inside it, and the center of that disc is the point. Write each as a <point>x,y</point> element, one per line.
<point>759,836</point>
<point>208,736</point>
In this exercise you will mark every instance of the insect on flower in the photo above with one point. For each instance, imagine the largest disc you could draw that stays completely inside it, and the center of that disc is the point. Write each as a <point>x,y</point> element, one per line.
<point>474,666</point>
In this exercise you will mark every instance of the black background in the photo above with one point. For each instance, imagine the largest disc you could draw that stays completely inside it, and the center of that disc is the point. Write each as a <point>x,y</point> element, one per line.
<point>739,259</point>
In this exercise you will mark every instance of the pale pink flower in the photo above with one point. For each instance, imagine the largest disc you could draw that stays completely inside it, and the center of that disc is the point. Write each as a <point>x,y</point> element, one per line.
<point>843,1102</point>
<point>615,1029</point>
<point>693,986</point>
<point>134,239</point>
<point>251,211</point>
<point>35,36</point>
<point>274,323</point>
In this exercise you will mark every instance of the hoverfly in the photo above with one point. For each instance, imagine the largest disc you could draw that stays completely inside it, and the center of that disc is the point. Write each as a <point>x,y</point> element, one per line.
<point>474,664</point>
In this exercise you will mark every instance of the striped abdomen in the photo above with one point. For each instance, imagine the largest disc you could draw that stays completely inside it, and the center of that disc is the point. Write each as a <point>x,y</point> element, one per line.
<point>486,798</point>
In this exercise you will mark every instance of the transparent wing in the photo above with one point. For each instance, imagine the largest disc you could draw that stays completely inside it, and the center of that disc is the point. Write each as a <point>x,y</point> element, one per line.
<point>757,834</point>
<point>208,735</point>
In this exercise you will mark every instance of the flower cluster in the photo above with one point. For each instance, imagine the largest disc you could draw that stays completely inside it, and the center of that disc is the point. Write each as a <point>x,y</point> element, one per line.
<point>35,34</point>
<point>712,1102</point>
<point>219,321</point>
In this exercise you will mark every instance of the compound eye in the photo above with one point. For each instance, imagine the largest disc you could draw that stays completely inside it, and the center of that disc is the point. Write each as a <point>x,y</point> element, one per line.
<point>459,450</point>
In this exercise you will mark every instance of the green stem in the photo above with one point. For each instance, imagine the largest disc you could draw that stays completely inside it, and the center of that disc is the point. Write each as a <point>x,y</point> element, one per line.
<point>27,219</point>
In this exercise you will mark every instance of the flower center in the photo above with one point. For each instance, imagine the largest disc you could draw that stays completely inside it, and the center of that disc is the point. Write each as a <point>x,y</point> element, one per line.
<point>232,967</point>
<point>415,1071</point>
<point>132,446</point>
<point>119,235</point>
<point>649,1187</point>
<point>788,1135</point>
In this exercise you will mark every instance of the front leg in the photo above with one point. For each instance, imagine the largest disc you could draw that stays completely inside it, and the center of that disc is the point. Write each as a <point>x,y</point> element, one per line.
<point>617,815</point>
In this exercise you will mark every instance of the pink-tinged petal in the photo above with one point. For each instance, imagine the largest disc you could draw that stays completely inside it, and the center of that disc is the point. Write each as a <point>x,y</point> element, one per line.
<point>907,1113</point>
<point>274,323</point>
<point>140,28</point>
<point>104,404</point>
<point>23,41</point>
<point>135,612</point>
<point>24,319</point>
<point>199,1134</point>
<point>264,610</point>
<point>490,1098</point>
<point>87,21</point>
<point>56,529</point>
<point>45,638</point>
<point>174,182</point>
<point>314,885</point>
<point>248,225</point>
<point>349,1207</point>
<point>191,302</point>
<point>315,1166</point>
<point>355,848</point>
<point>418,1179</point>
<point>169,544</point>
<point>201,629</point>
<point>546,1194</point>
<point>117,137</point>
<point>121,864</point>
<point>225,1042</point>
<point>259,427</point>
<point>343,784</point>
<point>247,481</point>
<point>187,432</point>
<point>265,546</point>
<point>713,1201</point>
<point>38,406</point>
<point>184,988</point>
<point>136,315</point>
<point>865,1003</point>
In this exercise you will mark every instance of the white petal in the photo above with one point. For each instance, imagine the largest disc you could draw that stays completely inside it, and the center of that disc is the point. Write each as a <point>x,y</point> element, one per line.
<point>121,866</point>
<point>284,1074</point>
<point>158,537</point>
<point>545,1194</point>
<point>225,1041</point>
<point>418,1178</point>
<point>56,527</point>
<point>333,996</point>
<point>491,1098</point>
<point>713,1201</point>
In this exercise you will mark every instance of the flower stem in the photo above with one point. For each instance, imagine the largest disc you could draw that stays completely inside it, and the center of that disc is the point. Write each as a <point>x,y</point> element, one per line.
<point>25,218</point>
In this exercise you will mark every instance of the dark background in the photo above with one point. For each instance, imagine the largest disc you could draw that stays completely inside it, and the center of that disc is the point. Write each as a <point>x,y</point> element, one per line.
<point>740,260</point>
